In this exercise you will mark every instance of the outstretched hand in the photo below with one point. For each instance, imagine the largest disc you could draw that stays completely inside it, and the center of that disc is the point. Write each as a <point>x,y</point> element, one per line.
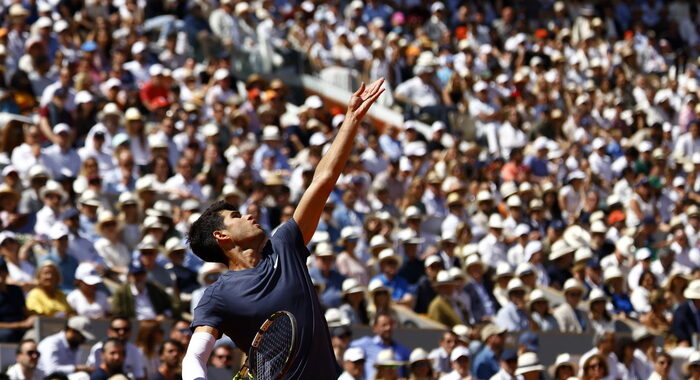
<point>363,98</point>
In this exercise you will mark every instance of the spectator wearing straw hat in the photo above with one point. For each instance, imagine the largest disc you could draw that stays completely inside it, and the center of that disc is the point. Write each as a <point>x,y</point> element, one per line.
<point>109,246</point>
<point>52,195</point>
<point>486,362</point>
<point>541,319</point>
<point>354,304</point>
<point>445,308</point>
<point>563,368</point>
<point>324,273</point>
<point>529,366</point>
<point>353,364</point>
<point>569,317</point>
<point>389,263</point>
<point>425,292</point>
<point>513,316</point>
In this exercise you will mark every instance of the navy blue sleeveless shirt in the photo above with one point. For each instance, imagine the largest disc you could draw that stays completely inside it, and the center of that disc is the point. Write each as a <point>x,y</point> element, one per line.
<point>240,301</point>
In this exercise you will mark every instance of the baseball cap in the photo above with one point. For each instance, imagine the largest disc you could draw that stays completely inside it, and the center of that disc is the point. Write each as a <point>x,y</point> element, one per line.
<point>354,354</point>
<point>530,340</point>
<point>87,273</point>
<point>58,230</point>
<point>82,325</point>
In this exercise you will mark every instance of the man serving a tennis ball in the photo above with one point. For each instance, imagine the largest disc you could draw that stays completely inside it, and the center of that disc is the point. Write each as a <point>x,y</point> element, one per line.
<point>269,274</point>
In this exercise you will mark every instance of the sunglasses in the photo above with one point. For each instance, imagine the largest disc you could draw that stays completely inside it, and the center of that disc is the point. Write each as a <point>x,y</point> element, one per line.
<point>33,353</point>
<point>594,366</point>
<point>120,329</point>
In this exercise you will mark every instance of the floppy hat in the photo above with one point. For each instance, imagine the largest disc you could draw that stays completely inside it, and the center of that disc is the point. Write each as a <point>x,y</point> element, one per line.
<point>562,360</point>
<point>53,187</point>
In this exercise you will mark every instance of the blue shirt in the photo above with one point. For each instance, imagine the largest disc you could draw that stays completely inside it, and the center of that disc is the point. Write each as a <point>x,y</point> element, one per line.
<point>333,286</point>
<point>537,165</point>
<point>67,267</point>
<point>240,301</point>
<point>371,345</point>
<point>399,286</point>
<point>512,319</point>
<point>485,364</point>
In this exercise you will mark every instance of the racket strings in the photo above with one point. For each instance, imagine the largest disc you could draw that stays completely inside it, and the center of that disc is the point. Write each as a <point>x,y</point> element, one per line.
<point>272,354</point>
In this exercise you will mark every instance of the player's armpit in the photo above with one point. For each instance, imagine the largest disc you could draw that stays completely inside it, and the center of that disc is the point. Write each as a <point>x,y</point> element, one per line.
<point>194,364</point>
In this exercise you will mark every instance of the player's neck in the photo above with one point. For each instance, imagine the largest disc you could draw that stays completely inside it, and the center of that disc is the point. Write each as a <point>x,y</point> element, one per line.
<point>241,258</point>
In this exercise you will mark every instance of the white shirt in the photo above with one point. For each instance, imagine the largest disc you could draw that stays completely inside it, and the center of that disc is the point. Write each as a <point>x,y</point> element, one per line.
<point>23,158</point>
<point>114,254</point>
<point>601,166</point>
<point>92,310</point>
<point>56,354</point>
<point>493,251</point>
<point>45,219</point>
<point>178,182</point>
<point>14,372</point>
<point>418,92</point>
<point>640,300</point>
<point>22,273</point>
<point>133,362</point>
<point>144,307</point>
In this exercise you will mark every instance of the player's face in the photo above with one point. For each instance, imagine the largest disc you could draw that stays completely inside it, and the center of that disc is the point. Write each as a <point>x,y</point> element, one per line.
<point>241,229</point>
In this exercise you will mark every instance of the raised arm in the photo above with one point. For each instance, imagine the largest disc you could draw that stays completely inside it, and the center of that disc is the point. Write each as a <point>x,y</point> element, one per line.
<point>308,212</point>
<point>194,364</point>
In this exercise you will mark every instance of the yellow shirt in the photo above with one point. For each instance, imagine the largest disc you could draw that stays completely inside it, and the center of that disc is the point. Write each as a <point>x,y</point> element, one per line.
<point>38,302</point>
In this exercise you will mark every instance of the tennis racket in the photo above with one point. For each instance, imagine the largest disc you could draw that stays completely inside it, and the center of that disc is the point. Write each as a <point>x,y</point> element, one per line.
<point>273,349</point>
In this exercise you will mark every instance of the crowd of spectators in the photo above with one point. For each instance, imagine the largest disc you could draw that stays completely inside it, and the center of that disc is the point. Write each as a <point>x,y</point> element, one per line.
<point>554,188</point>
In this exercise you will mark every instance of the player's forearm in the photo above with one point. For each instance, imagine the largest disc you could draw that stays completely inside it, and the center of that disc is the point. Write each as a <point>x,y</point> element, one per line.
<point>333,162</point>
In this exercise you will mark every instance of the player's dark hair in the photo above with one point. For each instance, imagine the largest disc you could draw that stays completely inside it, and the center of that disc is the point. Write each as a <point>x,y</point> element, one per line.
<point>170,341</point>
<point>201,235</point>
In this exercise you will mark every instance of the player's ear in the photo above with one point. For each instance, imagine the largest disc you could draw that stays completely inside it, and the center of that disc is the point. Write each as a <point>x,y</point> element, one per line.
<point>220,235</point>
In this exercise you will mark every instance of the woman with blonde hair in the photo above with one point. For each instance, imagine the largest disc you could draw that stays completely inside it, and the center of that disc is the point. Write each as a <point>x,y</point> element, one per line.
<point>148,338</point>
<point>380,300</point>
<point>46,299</point>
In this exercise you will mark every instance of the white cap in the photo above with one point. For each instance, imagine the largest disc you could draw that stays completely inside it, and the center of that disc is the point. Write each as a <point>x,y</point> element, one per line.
<point>58,230</point>
<point>522,229</point>
<point>87,273</point>
<point>353,354</point>
<point>514,201</point>
<point>480,86</point>
<point>438,6</point>
<point>418,354</point>
<point>598,143</point>
<point>138,47</point>
<point>43,22</point>
<point>221,74</point>
<point>599,227</point>
<point>155,70</point>
<point>458,352</point>
<point>642,253</point>
<point>572,284</point>
<point>313,102</point>
<point>483,196</point>
<point>271,132</point>
<point>83,97</point>
<point>61,127</point>
<point>60,26</point>
<point>533,247</point>
<point>432,259</point>
<point>495,221</point>
<point>645,146</point>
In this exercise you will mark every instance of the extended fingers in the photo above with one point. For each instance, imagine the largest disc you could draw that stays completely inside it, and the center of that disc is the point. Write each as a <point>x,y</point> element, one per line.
<point>364,107</point>
<point>374,87</point>
<point>360,90</point>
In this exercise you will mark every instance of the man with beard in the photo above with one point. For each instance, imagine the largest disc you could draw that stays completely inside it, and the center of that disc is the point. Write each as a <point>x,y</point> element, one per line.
<point>170,355</point>
<point>59,352</point>
<point>112,360</point>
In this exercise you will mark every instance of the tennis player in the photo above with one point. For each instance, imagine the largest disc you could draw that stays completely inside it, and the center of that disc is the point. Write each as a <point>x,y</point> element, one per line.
<point>269,274</point>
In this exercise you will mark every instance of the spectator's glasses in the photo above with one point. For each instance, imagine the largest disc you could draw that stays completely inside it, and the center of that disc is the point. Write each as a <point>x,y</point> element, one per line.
<point>52,195</point>
<point>596,365</point>
<point>185,330</point>
<point>33,353</point>
<point>421,363</point>
<point>575,294</point>
<point>120,329</point>
<point>109,224</point>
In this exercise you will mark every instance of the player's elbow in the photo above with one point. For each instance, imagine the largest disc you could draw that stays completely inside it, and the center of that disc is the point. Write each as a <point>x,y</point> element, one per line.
<point>194,367</point>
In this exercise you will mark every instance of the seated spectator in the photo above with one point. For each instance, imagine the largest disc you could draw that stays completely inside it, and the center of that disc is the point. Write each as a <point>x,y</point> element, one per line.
<point>324,273</point>
<point>59,352</point>
<point>140,298</point>
<point>86,299</point>
<point>207,275</point>
<point>387,365</point>
<point>354,305</point>
<point>223,357</point>
<point>662,366</point>
<point>14,317</point>
<point>595,367</point>
<point>180,331</point>
<point>693,366</point>
<point>380,300</point>
<point>425,291</point>
<point>569,317</point>
<point>440,356</point>
<point>148,338</point>
<point>383,339</point>
<point>598,315</point>
<point>563,368</point>
<point>109,245</point>
<point>420,366</point>
<point>21,272</point>
<point>541,319</point>
<point>659,317</point>
<point>513,316</point>
<point>529,367</point>
<point>604,345</point>
<point>147,253</point>
<point>445,308</point>
<point>26,362</point>
<point>47,299</point>
<point>614,282</point>
<point>348,264</point>
<point>170,353</point>
<point>59,255</point>
<point>480,292</point>
<point>640,294</point>
<point>353,364</point>
<point>389,263</point>
<point>132,362</point>
<point>185,278</point>
<point>52,196</point>
<point>460,359</point>
<point>508,364</point>
<point>112,362</point>
<point>486,362</point>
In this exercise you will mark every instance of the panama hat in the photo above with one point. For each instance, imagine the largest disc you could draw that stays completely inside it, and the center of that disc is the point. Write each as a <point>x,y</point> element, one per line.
<point>564,359</point>
<point>389,254</point>
<point>53,187</point>
<point>528,362</point>
<point>418,355</point>
<point>387,358</point>
<point>692,292</point>
<point>377,285</point>
<point>535,296</point>
<point>459,352</point>
<point>572,284</point>
<point>612,273</point>
<point>559,249</point>
<point>444,278</point>
<point>351,285</point>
